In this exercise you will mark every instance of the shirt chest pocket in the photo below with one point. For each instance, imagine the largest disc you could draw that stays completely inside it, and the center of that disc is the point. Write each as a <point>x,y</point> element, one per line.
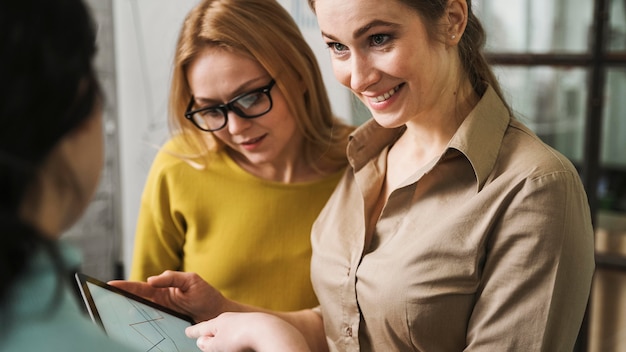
<point>427,276</point>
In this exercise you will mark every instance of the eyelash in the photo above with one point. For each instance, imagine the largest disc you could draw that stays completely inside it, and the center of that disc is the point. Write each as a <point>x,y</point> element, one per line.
<point>386,38</point>
<point>333,47</point>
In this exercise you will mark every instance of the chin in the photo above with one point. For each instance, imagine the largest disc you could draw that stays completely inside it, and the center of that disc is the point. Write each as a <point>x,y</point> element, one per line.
<point>388,121</point>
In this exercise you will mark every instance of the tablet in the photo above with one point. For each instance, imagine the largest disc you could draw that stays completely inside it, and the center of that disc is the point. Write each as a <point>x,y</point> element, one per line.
<point>133,320</point>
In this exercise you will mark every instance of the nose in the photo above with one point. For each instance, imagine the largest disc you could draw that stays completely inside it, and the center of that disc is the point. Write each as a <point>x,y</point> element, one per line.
<point>363,74</point>
<point>237,124</point>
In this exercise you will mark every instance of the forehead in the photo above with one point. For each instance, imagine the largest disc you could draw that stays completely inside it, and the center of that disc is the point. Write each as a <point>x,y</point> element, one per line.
<point>351,17</point>
<point>219,59</point>
<point>220,73</point>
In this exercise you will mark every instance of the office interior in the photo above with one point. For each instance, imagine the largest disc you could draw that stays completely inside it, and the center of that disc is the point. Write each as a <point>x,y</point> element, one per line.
<point>562,64</point>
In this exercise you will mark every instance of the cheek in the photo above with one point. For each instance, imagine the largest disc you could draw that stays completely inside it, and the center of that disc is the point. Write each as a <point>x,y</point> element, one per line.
<point>342,72</point>
<point>95,143</point>
<point>280,118</point>
<point>221,134</point>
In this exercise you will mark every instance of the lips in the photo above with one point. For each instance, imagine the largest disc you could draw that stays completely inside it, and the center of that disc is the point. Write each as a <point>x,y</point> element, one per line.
<point>253,141</point>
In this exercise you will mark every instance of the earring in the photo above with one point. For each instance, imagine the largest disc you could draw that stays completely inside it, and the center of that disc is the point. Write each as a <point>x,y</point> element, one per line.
<point>453,36</point>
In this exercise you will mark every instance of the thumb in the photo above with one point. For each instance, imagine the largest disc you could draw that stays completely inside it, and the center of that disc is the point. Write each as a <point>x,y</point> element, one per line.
<point>201,329</point>
<point>170,278</point>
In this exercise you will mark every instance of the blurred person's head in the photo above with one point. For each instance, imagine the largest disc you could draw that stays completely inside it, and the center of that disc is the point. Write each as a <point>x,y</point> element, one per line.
<point>51,146</point>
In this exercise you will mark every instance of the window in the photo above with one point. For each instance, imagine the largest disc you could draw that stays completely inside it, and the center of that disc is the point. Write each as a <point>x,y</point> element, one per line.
<point>562,64</point>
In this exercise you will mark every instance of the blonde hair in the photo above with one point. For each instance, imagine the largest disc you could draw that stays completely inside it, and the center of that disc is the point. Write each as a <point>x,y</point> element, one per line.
<point>264,31</point>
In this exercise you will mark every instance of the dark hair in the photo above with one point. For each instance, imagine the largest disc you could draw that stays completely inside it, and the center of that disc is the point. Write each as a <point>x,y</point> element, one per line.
<point>48,87</point>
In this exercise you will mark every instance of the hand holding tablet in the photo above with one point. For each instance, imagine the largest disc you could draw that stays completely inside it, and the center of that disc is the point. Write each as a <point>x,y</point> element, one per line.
<point>133,320</point>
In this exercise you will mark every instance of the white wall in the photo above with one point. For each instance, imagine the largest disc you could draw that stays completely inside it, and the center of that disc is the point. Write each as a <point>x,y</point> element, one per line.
<point>339,95</point>
<point>145,36</point>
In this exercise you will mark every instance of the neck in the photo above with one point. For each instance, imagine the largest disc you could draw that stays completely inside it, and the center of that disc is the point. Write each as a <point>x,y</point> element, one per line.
<point>286,169</point>
<point>46,209</point>
<point>431,132</point>
<point>427,136</point>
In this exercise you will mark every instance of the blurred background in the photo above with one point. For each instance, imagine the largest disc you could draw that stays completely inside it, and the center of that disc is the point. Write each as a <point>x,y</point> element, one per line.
<point>562,64</point>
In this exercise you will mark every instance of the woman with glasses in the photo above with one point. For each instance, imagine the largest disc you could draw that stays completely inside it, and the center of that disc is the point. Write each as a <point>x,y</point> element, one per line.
<point>51,157</point>
<point>255,155</point>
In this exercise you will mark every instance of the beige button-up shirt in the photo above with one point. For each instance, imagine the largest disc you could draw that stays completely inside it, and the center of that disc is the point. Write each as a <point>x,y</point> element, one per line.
<point>488,248</point>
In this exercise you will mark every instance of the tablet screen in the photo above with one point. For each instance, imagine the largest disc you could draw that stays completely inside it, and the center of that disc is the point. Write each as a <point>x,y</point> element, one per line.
<point>134,321</point>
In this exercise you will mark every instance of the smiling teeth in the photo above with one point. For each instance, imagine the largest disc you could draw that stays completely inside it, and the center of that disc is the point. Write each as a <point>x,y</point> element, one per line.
<point>386,95</point>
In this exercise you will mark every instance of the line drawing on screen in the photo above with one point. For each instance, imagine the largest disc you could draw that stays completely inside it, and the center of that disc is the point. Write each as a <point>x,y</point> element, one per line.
<point>139,325</point>
<point>156,338</point>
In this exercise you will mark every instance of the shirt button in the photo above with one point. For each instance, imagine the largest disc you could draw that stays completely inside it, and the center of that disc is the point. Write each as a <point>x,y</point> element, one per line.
<point>349,331</point>
<point>348,272</point>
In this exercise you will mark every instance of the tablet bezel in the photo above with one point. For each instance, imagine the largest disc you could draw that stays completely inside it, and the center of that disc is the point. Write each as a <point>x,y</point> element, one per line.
<point>82,279</point>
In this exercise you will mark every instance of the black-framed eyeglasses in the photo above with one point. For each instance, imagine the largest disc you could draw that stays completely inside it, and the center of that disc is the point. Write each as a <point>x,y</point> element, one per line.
<point>247,105</point>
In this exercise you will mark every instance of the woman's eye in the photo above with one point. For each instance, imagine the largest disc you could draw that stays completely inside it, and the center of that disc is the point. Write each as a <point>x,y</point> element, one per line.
<point>249,100</point>
<point>337,47</point>
<point>211,114</point>
<point>379,39</point>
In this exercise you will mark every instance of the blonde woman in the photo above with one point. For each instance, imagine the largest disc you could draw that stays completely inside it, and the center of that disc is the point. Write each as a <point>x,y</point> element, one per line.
<point>255,153</point>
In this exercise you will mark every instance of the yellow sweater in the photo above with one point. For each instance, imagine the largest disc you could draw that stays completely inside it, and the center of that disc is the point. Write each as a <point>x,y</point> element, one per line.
<point>248,237</point>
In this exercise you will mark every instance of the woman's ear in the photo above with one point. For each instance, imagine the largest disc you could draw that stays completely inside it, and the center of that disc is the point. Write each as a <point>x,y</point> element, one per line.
<point>456,15</point>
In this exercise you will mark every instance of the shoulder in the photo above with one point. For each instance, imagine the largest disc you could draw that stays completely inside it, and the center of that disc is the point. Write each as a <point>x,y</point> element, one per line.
<point>61,335</point>
<point>56,321</point>
<point>528,167</point>
<point>177,156</point>
<point>528,154</point>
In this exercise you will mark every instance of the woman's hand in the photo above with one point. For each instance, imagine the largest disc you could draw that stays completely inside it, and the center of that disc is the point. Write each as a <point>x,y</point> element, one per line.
<point>247,332</point>
<point>257,329</point>
<point>183,292</point>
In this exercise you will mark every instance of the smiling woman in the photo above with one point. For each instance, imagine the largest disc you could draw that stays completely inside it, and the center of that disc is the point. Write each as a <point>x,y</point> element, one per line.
<point>515,210</point>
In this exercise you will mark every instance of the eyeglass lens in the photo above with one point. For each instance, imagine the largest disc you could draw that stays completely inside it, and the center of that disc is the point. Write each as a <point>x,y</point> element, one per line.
<point>249,105</point>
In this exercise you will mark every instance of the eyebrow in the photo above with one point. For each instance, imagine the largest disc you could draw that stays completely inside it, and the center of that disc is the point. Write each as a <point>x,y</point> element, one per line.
<point>362,30</point>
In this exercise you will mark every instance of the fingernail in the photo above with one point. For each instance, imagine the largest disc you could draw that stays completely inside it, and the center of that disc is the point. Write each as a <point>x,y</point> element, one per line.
<point>200,343</point>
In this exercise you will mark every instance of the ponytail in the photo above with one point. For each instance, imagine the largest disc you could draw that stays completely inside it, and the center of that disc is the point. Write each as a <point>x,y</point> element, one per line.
<point>472,57</point>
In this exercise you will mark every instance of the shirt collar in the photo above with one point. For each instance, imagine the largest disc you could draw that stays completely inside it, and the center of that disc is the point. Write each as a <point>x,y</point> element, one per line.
<point>368,141</point>
<point>480,135</point>
<point>478,138</point>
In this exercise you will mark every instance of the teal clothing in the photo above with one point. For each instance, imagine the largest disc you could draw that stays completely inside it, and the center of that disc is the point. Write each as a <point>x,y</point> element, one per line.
<point>39,320</point>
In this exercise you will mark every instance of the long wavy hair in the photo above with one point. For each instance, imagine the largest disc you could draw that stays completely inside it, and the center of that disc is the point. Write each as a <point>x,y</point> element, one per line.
<point>264,31</point>
<point>48,88</point>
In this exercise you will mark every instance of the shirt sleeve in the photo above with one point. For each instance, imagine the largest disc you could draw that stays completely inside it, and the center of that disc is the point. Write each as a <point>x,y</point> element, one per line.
<point>158,237</point>
<point>537,270</point>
